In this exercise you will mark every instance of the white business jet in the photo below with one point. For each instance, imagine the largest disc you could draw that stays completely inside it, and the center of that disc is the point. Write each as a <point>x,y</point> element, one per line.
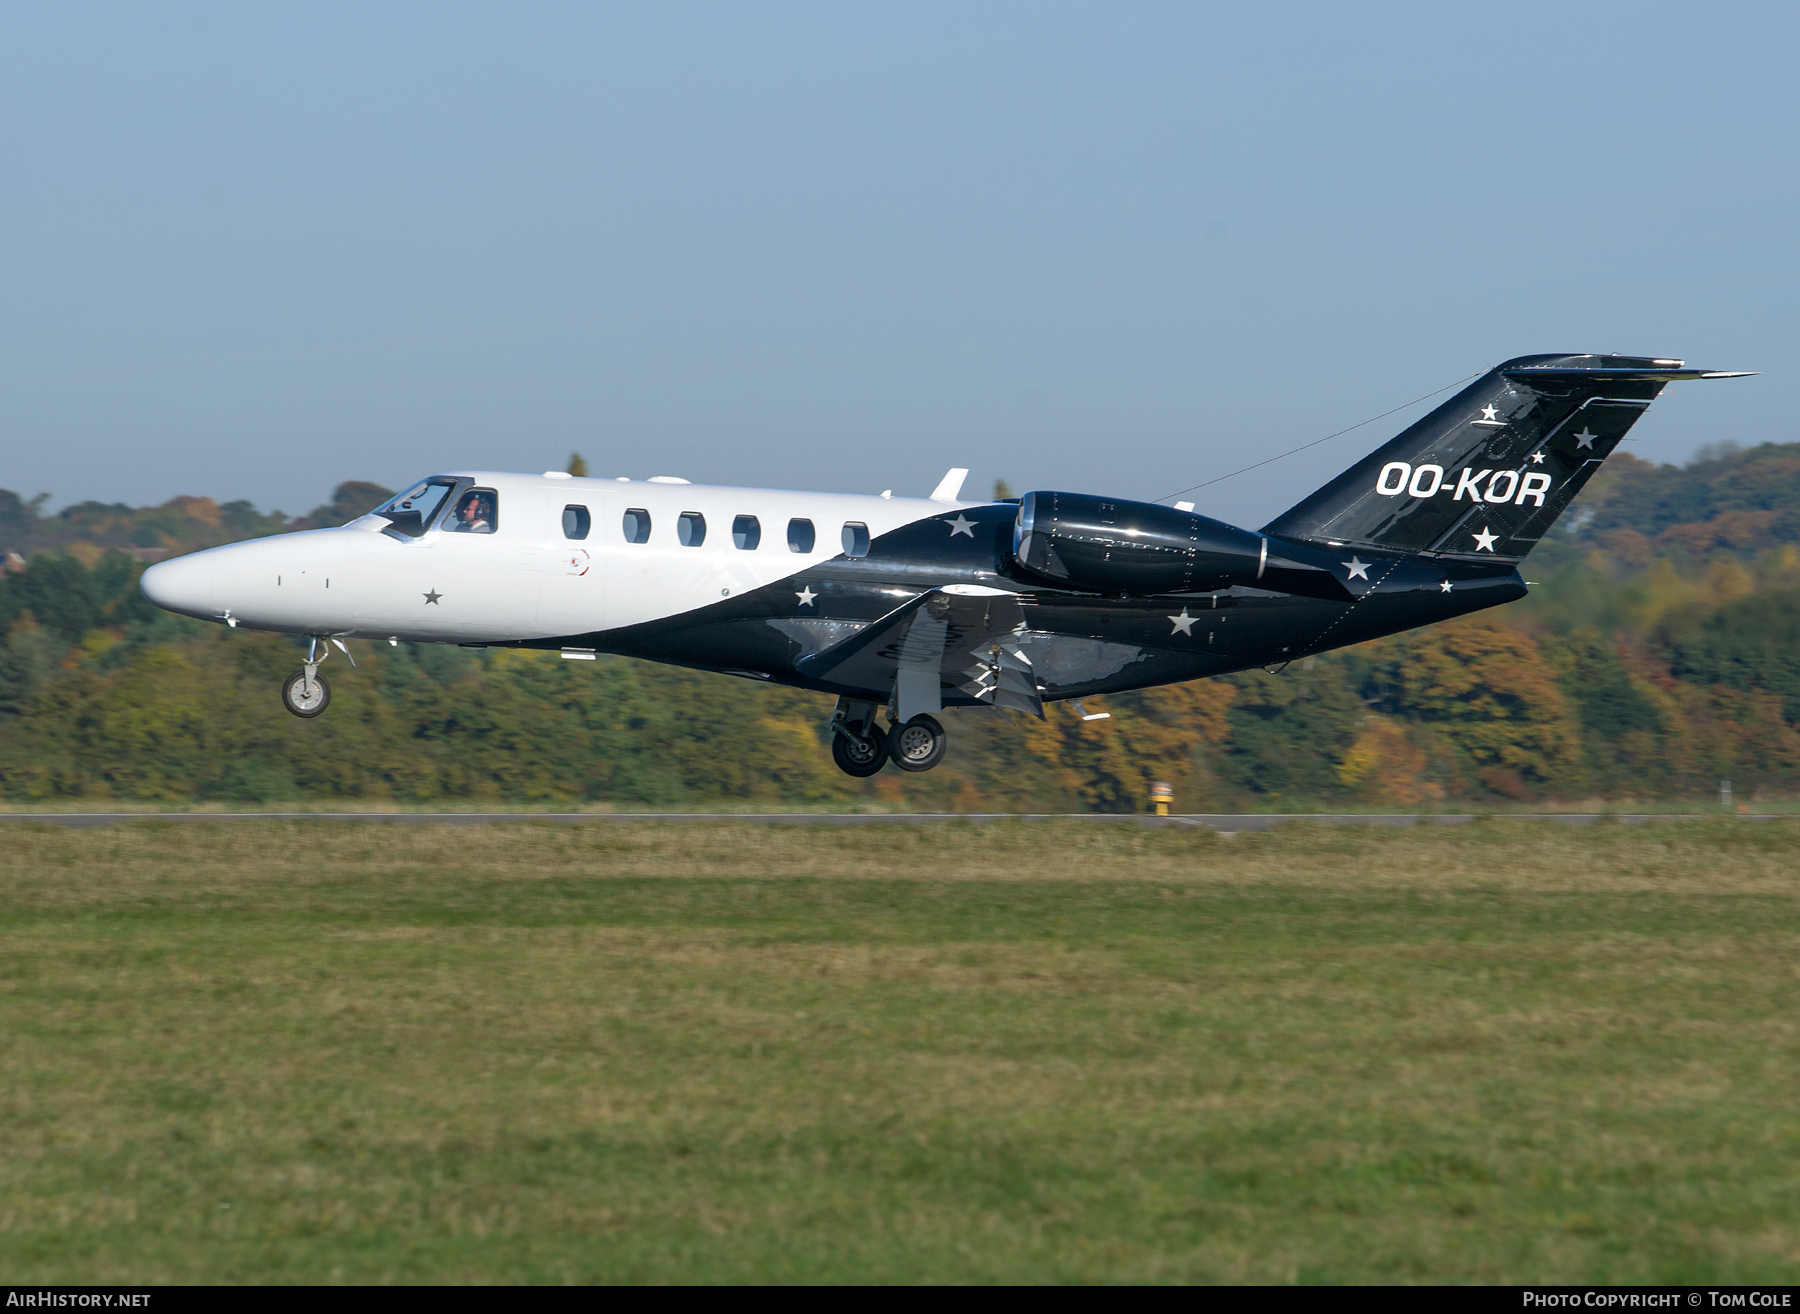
<point>909,606</point>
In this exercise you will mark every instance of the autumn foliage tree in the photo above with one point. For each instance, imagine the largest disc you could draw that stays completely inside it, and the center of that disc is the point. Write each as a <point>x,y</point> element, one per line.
<point>1485,691</point>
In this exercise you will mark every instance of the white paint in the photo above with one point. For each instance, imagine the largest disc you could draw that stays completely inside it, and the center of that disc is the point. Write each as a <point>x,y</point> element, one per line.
<point>1437,480</point>
<point>1469,481</point>
<point>1533,485</point>
<point>518,583</point>
<point>1512,485</point>
<point>950,486</point>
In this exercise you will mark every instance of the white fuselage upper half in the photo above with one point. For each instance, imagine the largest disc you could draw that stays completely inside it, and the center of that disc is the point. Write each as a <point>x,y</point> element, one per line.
<point>525,576</point>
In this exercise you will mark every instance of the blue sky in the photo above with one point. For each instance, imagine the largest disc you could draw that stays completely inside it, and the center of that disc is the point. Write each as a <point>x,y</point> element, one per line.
<point>251,250</point>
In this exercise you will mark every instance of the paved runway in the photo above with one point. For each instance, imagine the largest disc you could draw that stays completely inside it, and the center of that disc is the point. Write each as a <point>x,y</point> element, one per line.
<point>1223,823</point>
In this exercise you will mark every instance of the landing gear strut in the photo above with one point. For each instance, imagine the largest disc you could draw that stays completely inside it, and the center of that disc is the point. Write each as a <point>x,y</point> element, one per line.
<point>305,693</point>
<point>858,745</point>
<point>861,748</point>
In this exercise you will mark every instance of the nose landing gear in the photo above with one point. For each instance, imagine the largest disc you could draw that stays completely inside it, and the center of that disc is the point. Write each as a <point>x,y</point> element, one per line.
<point>305,693</point>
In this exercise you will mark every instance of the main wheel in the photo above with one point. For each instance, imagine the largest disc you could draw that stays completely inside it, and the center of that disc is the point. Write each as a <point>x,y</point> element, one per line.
<point>860,755</point>
<point>304,698</point>
<point>918,745</point>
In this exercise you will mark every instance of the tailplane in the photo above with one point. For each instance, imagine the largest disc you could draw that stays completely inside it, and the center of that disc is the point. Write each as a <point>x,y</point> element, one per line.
<point>1486,474</point>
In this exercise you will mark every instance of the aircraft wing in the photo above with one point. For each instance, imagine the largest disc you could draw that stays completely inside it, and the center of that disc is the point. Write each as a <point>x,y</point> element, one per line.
<point>962,635</point>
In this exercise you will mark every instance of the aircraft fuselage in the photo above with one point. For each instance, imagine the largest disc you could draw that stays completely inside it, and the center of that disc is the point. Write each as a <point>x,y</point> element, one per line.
<point>756,582</point>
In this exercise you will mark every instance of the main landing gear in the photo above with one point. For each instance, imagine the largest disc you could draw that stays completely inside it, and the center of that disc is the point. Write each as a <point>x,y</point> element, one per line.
<point>861,748</point>
<point>860,752</point>
<point>919,744</point>
<point>305,693</point>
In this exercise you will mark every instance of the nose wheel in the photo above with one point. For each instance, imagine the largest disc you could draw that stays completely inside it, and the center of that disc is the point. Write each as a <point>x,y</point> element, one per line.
<point>306,694</point>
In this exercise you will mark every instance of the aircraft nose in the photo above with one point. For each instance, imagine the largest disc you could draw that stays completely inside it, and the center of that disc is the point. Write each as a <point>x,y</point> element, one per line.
<point>183,585</point>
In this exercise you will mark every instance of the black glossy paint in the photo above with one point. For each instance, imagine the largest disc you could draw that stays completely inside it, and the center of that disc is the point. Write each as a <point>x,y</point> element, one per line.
<point>1112,595</point>
<point>1570,411</point>
<point>769,633</point>
<point>1109,545</point>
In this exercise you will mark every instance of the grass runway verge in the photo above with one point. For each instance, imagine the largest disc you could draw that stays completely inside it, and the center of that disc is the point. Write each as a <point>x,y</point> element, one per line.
<point>300,1052</point>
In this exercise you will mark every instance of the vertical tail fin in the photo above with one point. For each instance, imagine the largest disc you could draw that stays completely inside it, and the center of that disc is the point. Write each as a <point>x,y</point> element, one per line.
<point>1487,473</point>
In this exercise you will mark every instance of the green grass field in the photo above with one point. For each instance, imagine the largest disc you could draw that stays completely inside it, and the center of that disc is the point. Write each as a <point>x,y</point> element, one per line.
<point>309,1052</point>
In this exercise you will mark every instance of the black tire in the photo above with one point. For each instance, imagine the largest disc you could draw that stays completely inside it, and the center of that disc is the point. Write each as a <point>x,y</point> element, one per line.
<point>859,755</point>
<point>918,745</point>
<point>300,704</point>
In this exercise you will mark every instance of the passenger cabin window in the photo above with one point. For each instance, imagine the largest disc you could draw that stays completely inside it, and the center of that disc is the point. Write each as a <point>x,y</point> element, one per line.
<point>691,529</point>
<point>746,533</point>
<point>800,536</point>
<point>477,512</point>
<point>410,513</point>
<point>637,525</point>
<point>576,522</point>
<point>856,539</point>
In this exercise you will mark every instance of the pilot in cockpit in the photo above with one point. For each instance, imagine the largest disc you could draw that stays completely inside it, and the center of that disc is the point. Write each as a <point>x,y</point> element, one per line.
<point>474,514</point>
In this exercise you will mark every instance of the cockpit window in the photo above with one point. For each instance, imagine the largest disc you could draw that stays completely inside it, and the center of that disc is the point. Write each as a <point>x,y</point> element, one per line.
<point>410,513</point>
<point>477,512</point>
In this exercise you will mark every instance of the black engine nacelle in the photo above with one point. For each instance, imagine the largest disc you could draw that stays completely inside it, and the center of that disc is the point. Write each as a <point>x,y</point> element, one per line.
<point>1107,545</point>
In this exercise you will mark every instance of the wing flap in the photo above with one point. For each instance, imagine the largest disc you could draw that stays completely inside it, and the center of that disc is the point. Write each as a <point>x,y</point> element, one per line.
<point>942,637</point>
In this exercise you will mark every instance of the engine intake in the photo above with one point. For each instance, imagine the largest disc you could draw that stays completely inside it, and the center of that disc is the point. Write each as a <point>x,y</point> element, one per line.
<point>1108,545</point>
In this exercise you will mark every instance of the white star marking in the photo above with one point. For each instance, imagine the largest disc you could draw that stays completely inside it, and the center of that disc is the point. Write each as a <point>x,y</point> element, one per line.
<point>1586,437</point>
<point>1184,623</point>
<point>1537,458</point>
<point>806,596</point>
<point>1358,568</point>
<point>1489,412</point>
<point>1484,541</point>
<point>1444,587</point>
<point>961,526</point>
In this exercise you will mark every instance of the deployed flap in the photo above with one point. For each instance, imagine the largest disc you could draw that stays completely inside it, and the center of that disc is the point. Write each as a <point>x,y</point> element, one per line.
<point>1003,677</point>
<point>918,688</point>
<point>923,644</point>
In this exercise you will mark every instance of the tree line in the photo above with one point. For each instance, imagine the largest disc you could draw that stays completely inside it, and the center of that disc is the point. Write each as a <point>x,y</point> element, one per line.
<point>1657,657</point>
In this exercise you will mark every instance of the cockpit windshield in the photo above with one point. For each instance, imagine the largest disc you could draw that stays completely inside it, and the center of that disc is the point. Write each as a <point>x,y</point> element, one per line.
<point>410,513</point>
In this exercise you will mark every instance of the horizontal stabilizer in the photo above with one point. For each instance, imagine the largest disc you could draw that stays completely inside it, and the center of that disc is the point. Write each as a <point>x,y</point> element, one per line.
<point>1541,374</point>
